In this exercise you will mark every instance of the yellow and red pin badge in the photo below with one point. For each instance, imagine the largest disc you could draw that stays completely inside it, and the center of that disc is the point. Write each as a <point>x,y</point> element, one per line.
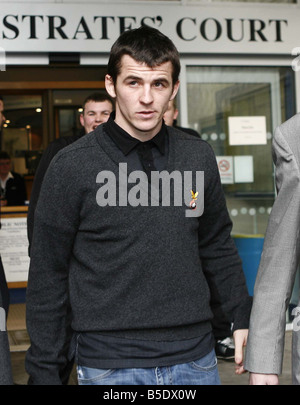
<point>194,199</point>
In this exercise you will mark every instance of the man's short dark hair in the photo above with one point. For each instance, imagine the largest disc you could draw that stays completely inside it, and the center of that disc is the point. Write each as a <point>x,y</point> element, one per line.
<point>145,45</point>
<point>4,155</point>
<point>98,98</point>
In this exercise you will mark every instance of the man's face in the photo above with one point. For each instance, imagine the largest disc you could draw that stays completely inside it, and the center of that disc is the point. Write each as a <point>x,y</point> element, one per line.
<point>94,114</point>
<point>4,167</point>
<point>142,95</point>
<point>171,114</point>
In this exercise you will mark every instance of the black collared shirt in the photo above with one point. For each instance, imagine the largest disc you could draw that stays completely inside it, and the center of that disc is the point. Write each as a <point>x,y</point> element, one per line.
<point>152,154</point>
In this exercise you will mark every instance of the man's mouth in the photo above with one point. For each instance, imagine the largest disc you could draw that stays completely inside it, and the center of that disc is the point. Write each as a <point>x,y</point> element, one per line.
<point>146,114</point>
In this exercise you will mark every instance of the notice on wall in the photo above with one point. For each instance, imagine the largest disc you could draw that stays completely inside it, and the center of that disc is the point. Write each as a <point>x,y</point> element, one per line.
<point>247,130</point>
<point>14,249</point>
<point>243,169</point>
<point>225,165</point>
<point>235,169</point>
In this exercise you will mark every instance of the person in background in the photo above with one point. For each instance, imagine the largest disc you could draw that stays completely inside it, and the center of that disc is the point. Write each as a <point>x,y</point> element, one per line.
<point>278,267</point>
<point>13,189</point>
<point>170,118</point>
<point>140,278</point>
<point>97,108</point>
<point>224,346</point>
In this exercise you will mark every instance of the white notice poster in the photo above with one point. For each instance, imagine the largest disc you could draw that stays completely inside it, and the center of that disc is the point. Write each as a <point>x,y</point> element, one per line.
<point>225,165</point>
<point>14,249</point>
<point>243,169</point>
<point>247,130</point>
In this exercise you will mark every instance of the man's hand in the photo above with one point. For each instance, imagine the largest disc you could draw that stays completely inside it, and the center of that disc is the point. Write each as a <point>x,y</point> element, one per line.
<point>263,379</point>
<point>240,340</point>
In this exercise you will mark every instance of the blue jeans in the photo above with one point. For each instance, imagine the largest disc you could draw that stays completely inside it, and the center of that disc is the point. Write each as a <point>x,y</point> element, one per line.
<point>199,372</point>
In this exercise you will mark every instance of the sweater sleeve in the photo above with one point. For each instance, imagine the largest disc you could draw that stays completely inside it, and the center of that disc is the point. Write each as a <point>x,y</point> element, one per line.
<point>52,149</point>
<point>220,260</point>
<point>47,291</point>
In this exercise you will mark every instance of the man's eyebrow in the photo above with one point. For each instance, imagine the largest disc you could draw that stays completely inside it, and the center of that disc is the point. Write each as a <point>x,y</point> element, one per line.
<point>133,77</point>
<point>138,78</point>
<point>161,79</point>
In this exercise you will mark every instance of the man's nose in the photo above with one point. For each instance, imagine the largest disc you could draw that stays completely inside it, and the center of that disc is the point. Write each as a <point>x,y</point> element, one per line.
<point>146,96</point>
<point>99,118</point>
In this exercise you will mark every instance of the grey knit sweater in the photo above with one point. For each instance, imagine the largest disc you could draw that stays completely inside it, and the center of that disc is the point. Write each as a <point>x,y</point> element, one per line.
<point>142,272</point>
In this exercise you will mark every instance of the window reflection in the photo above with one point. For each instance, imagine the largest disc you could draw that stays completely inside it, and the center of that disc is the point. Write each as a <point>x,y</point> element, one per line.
<point>214,95</point>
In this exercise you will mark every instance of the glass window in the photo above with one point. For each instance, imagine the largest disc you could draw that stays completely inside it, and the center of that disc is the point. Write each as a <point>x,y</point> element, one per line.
<point>263,96</point>
<point>22,133</point>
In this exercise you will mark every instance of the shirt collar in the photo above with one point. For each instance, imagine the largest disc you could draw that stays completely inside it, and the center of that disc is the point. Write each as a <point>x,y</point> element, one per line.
<point>3,182</point>
<point>126,142</point>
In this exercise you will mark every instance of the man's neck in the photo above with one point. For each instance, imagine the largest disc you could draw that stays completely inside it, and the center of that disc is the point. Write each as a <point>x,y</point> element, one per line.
<point>142,136</point>
<point>4,177</point>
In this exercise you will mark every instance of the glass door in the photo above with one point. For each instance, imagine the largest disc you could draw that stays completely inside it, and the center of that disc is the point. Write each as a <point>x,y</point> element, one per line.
<point>236,110</point>
<point>224,105</point>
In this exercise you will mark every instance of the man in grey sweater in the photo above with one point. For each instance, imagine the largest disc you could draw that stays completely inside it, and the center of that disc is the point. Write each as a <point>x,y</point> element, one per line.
<point>132,228</point>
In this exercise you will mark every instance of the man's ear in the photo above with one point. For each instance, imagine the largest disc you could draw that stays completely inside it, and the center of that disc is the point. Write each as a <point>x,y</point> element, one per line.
<point>175,90</point>
<point>176,112</point>
<point>81,120</point>
<point>110,86</point>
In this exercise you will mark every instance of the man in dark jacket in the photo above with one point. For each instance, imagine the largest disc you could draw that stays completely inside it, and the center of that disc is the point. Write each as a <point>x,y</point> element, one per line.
<point>13,190</point>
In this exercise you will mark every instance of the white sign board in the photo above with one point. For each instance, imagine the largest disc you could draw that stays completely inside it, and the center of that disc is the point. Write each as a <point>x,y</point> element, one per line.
<point>243,169</point>
<point>14,249</point>
<point>247,130</point>
<point>225,166</point>
<point>203,28</point>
